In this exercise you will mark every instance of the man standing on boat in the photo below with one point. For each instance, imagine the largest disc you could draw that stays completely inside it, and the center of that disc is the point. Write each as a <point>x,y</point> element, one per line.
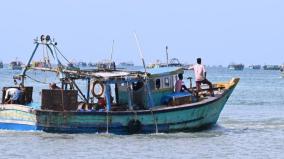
<point>200,76</point>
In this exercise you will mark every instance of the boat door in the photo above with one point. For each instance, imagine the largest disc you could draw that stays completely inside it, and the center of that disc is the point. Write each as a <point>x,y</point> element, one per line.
<point>138,95</point>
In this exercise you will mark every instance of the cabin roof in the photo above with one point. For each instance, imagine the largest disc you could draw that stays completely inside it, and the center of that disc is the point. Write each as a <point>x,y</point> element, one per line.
<point>120,74</point>
<point>152,72</point>
<point>164,71</point>
<point>111,74</point>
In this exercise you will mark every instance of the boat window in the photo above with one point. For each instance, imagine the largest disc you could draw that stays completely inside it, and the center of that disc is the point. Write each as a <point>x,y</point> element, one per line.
<point>151,83</point>
<point>174,79</point>
<point>137,85</point>
<point>158,83</point>
<point>167,82</point>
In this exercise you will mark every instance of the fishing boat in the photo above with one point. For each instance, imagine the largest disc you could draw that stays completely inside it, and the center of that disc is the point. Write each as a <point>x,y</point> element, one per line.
<point>173,62</point>
<point>126,64</point>
<point>271,67</point>
<point>72,66</point>
<point>106,65</point>
<point>236,67</point>
<point>82,64</point>
<point>1,64</point>
<point>40,64</point>
<point>116,101</point>
<point>255,67</point>
<point>282,68</point>
<point>91,64</point>
<point>16,65</point>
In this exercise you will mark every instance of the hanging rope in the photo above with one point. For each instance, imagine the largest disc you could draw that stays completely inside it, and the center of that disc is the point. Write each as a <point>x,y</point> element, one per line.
<point>81,97</point>
<point>43,53</point>
<point>62,54</point>
<point>155,121</point>
<point>47,61</point>
<point>39,80</point>
<point>62,99</point>
<point>36,80</point>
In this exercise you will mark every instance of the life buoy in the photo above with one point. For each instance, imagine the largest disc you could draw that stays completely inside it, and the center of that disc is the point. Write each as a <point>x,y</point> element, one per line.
<point>100,92</point>
<point>134,126</point>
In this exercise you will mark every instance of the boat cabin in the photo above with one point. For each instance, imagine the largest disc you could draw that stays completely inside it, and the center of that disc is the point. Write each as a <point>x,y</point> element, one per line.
<point>161,82</point>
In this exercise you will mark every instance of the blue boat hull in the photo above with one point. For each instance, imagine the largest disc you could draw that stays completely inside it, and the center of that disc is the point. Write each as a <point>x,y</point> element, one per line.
<point>17,117</point>
<point>17,127</point>
<point>190,117</point>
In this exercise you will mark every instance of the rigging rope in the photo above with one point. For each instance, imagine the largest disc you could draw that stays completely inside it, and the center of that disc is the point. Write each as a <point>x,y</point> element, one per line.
<point>38,80</point>
<point>62,99</point>
<point>62,55</point>
<point>155,121</point>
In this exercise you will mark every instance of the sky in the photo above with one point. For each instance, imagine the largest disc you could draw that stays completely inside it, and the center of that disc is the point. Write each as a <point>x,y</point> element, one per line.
<point>219,31</point>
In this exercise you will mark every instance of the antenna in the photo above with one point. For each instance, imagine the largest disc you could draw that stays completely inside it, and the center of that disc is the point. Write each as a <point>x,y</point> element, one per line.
<point>141,53</point>
<point>167,54</point>
<point>112,48</point>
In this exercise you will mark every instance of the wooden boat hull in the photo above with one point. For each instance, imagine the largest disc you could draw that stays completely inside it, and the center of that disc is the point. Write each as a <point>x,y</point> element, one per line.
<point>169,119</point>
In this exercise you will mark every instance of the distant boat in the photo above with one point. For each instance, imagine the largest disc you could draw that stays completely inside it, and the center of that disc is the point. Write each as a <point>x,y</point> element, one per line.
<point>91,64</point>
<point>72,66</point>
<point>1,64</point>
<point>126,64</point>
<point>40,64</point>
<point>282,69</point>
<point>16,65</point>
<point>82,64</point>
<point>174,62</point>
<point>106,65</point>
<point>271,67</point>
<point>236,66</point>
<point>255,67</point>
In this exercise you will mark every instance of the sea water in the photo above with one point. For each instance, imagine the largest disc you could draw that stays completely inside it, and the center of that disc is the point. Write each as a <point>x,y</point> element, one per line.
<point>251,125</point>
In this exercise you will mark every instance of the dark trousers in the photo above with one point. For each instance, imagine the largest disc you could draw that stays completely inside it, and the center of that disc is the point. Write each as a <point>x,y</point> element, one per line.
<point>205,81</point>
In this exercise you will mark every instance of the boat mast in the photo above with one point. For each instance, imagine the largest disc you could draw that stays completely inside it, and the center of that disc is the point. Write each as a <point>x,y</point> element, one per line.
<point>46,41</point>
<point>167,55</point>
<point>150,99</point>
<point>23,74</point>
<point>112,48</point>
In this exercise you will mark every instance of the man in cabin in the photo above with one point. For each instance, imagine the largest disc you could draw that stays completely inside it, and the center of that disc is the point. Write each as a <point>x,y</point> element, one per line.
<point>180,86</point>
<point>200,76</point>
